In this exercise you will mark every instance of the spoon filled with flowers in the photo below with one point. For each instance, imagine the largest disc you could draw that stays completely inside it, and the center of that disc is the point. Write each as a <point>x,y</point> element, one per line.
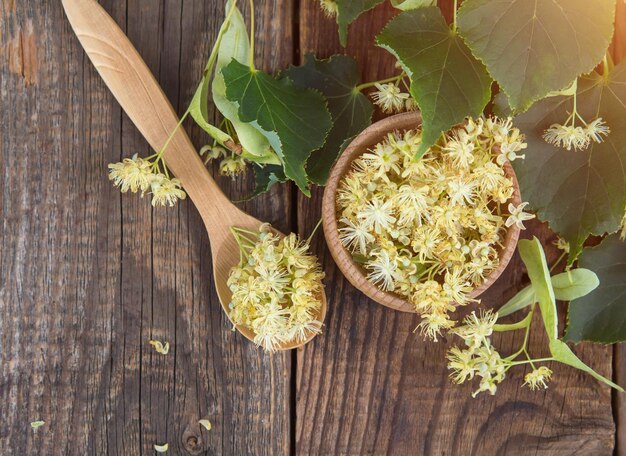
<point>269,285</point>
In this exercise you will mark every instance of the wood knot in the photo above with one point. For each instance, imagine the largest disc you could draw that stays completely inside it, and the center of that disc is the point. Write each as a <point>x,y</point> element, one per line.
<point>192,440</point>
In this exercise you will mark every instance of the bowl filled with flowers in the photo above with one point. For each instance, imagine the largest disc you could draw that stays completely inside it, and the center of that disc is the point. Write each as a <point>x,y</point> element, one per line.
<point>425,234</point>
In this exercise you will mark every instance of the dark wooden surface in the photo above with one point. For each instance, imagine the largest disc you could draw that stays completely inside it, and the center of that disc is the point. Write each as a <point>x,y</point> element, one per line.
<point>88,277</point>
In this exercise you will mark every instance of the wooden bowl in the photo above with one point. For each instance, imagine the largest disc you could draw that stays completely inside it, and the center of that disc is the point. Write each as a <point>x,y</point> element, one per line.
<point>354,272</point>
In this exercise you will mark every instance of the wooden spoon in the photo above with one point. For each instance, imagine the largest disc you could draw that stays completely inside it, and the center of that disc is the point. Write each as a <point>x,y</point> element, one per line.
<point>141,97</point>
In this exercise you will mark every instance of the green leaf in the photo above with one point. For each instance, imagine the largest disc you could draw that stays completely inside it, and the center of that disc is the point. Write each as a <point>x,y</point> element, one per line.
<point>578,193</point>
<point>562,353</point>
<point>294,121</point>
<point>534,258</point>
<point>567,286</point>
<point>574,284</point>
<point>235,44</point>
<point>599,316</point>
<point>199,110</point>
<point>447,82</point>
<point>265,177</point>
<point>406,5</point>
<point>534,47</point>
<point>336,78</point>
<point>348,11</point>
<point>521,300</point>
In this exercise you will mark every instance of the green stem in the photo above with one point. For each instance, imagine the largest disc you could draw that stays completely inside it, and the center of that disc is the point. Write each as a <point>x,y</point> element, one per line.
<point>159,155</point>
<point>308,241</point>
<point>242,230</point>
<point>454,16</point>
<point>367,85</point>
<point>526,336</point>
<point>251,64</point>
<point>540,360</point>
<point>558,261</point>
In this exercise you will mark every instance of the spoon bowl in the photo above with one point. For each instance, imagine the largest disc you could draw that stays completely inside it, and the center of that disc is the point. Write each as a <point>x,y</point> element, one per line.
<point>137,91</point>
<point>354,272</point>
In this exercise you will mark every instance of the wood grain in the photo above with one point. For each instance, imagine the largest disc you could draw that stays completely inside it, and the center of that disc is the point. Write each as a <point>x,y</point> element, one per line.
<point>89,276</point>
<point>373,386</point>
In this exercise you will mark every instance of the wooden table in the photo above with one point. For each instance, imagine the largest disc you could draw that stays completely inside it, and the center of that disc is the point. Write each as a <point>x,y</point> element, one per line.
<point>88,277</point>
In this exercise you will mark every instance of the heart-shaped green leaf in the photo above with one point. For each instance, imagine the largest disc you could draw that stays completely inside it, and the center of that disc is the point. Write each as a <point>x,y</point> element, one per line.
<point>578,193</point>
<point>534,258</point>
<point>599,316</point>
<point>348,11</point>
<point>567,286</point>
<point>336,78</point>
<point>534,47</point>
<point>447,82</point>
<point>294,121</point>
<point>235,45</point>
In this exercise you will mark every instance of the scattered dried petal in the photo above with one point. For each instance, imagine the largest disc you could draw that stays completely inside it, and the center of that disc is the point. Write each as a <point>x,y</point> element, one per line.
<point>160,347</point>
<point>161,448</point>
<point>37,424</point>
<point>206,424</point>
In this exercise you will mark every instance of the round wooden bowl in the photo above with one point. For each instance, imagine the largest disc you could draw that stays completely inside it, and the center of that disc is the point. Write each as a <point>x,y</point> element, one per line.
<point>354,272</point>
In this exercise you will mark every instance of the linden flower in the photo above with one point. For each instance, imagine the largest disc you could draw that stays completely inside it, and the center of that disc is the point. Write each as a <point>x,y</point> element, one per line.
<point>518,216</point>
<point>462,364</point>
<point>538,378</point>
<point>490,367</point>
<point>276,288</point>
<point>232,166</point>
<point>378,215</point>
<point>460,150</point>
<point>567,136</point>
<point>329,7</point>
<point>430,229</point>
<point>355,236</point>
<point>389,97</point>
<point>462,191</point>
<point>477,328</point>
<point>134,174</point>
<point>212,153</point>
<point>562,244</point>
<point>433,324</point>
<point>382,270</point>
<point>596,129</point>
<point>166,192</point>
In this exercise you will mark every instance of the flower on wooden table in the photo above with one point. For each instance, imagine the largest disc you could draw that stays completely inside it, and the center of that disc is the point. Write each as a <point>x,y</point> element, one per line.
<point>140,175</point>
<point>538,378</point>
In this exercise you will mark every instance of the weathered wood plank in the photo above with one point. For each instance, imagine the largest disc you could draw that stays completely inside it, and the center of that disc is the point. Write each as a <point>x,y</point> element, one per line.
<point>88,277</point>
<point>371,385</point>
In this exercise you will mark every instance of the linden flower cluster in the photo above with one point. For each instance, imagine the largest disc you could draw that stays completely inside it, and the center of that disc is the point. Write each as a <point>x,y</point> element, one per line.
<point>277,288</point>
<point>429,229</point>
<point>231,164</point>
<point>143,175</point>
<point>479,359</point>
<point>390,98</point>
<point>578,137</point>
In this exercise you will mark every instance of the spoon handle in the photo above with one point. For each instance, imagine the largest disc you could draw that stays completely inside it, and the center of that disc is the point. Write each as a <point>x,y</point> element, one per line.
<point>137,91</point>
